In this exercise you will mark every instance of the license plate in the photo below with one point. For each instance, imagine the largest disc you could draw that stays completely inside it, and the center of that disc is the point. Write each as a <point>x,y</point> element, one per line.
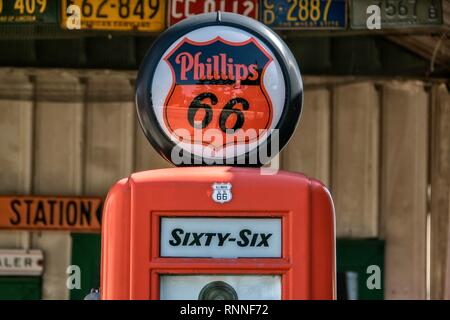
<point>125,15</point>
<point>181,9</point>
<point>304,14</point>
<point>398,13</point>
<point>23,11</point>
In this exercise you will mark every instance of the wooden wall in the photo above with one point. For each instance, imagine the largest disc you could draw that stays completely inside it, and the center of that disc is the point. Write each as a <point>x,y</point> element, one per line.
<point>440,193</point>
<point>63,133</point>
<point>375,134</point>
<point>74,132</point>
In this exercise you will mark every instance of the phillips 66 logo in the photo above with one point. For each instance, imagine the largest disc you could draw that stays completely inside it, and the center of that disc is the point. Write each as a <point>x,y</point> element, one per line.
<point>218,85</point>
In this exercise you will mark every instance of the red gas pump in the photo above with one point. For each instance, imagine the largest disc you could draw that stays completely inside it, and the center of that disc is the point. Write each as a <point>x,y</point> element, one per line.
<point>214,90</point>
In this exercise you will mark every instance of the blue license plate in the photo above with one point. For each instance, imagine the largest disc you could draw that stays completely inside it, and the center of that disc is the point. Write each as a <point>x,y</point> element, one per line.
<point>304,14</point>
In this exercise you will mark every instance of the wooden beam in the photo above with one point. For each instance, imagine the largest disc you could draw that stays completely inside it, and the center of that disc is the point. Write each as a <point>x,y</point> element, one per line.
<point>58,157</point>
<point>16,141</point>
<point>110,123</point>
<point>434,48</point>
<point>308,151</point>
<point>440,194</point>
<point>146,157</point>
<point>404,184</point>
<point>355,169</point>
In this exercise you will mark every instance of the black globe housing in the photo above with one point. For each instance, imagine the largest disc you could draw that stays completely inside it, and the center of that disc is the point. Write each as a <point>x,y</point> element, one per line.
<point>291,73</point>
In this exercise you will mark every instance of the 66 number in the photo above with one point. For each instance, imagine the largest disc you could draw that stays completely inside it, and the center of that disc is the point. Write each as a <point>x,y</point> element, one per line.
<point>221,196</point>
<point>227,111</point>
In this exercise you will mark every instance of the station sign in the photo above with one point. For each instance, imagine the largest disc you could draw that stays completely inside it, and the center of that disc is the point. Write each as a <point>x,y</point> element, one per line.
<point>182,9</point>
<point>21,262</point>
<point>117,15</point>
<point>304,14</point>
<point>77,214</point>
<point>398,13</point>
<point>217,90</point>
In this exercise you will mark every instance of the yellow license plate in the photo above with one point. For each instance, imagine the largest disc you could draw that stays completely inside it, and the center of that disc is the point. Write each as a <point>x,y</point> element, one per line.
<point>118,15</point>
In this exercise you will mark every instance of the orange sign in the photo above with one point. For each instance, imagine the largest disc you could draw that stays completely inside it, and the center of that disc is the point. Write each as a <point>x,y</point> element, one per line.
<point>218,85</point>
<point>51,213</point>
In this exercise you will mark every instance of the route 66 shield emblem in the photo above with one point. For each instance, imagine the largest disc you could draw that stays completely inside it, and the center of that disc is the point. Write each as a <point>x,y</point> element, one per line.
<point>222,192</point>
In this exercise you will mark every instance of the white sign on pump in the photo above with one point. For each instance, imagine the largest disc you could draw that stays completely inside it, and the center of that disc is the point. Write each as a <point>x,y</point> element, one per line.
<point>221,237</point>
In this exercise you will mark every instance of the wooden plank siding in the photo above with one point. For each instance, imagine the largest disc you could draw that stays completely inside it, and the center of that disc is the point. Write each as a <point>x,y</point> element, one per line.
<point>76,133</point>
<point>440,194</point>
<point>110,124</point>
<point>16,143</point>
<point>404,167</point>
<point>58,144</point>
<point>146,157</point>
<point>308,151</point>
<point>355,169</point>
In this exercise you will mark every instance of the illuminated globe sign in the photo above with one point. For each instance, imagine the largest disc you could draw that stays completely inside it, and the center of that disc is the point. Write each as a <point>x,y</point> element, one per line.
<point>219,88</point>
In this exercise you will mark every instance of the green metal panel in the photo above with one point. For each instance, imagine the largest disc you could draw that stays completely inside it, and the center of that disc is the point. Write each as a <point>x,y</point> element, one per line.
<point>327,55</point>
<point>116,52</point>
<point>18,53</point>
<point>64,53</point>
<point>142,46</point>
<point>313,54</point>
<point>356,55</point>
<point>401,61</point>
<point>20,288</point>
<point>86,255</point>
<point>357,255</point>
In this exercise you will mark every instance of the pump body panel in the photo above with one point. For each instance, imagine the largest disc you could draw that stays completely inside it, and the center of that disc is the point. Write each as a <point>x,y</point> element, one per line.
<point>148,238</point>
